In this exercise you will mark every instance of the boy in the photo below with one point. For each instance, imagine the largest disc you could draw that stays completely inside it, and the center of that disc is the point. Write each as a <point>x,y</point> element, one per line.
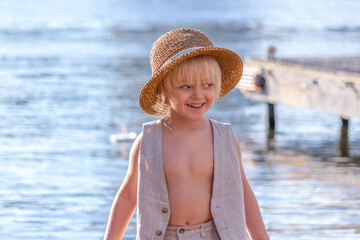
<point>185,174</point>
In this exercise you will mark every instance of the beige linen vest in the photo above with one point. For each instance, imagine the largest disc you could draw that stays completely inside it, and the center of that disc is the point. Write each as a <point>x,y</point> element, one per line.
<point>227,202</point>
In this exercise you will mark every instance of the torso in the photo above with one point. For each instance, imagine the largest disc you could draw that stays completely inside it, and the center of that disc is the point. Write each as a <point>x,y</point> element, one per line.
<point>188,159</point>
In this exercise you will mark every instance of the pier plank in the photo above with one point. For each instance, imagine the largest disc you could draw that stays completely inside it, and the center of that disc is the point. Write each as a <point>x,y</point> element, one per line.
<point>330,85</point>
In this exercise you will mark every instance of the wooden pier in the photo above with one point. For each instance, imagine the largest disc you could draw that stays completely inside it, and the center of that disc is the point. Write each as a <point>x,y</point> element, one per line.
<point>330,85</point>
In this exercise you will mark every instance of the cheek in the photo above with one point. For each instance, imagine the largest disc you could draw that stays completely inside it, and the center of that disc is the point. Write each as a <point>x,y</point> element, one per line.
<point>212,95</point>
<point>178,96</point>
<point>174,99</point>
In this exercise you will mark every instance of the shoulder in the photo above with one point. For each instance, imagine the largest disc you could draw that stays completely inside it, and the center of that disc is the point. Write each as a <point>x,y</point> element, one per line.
<point>215,122</point>
<point>224,131</point>
<point>221,127</point>
<point>150,129</point>
<point>152,123</point>
<point>136,145</point>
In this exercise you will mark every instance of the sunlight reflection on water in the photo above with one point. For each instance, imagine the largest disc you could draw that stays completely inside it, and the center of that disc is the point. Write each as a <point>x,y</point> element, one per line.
<point>69,81</point>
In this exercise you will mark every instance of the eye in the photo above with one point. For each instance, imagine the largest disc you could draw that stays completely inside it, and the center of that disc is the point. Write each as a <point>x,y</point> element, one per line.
<point>185,86</point>
<point>207,85</point>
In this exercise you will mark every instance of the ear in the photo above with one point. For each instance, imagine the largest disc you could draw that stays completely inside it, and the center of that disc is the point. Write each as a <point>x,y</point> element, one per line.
<point>166,99</point>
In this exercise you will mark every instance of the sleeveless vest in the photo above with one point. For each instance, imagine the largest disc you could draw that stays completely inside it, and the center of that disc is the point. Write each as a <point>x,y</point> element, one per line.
<point>227,202</point>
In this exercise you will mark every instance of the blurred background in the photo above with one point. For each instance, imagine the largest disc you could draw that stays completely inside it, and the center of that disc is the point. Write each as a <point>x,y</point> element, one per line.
<point>70,74</point>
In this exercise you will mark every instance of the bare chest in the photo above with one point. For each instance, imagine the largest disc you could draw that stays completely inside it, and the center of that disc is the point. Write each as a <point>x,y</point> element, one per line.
<point>188,157</point>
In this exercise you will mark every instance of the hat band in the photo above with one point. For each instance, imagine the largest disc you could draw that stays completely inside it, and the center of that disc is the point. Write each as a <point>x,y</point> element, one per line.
<point>181,53</point>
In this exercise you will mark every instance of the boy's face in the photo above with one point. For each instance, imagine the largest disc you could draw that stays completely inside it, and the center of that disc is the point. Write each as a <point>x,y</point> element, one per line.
<point>191,100</point>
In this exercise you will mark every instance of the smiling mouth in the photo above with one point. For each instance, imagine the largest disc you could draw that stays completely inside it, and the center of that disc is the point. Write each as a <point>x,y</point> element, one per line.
<point>196,105</point>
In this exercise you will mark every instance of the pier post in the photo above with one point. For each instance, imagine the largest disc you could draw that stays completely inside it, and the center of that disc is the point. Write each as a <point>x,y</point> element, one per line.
<point>270,55</point>
<point>343,143</point>
<point>345,124</point>
<point>271,120</point>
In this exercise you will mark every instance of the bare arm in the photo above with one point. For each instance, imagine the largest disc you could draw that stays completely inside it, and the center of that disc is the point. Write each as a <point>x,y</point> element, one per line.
<point>124,203</point>
<point>254,222</point>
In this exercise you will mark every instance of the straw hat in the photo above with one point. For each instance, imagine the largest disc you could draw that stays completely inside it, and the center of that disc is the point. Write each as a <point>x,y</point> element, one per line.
<point>175,47</point>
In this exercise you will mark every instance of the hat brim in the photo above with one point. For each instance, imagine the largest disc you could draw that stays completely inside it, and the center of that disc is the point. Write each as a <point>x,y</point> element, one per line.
<point>231,71</point>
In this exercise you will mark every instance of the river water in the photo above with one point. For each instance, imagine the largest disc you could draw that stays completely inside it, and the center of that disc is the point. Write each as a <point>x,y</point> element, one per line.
<point>70,74</point>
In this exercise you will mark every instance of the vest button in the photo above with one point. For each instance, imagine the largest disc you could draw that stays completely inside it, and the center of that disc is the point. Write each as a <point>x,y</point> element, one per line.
<point>158,232</point>
<point>181,230</point>
<point>164,210</point>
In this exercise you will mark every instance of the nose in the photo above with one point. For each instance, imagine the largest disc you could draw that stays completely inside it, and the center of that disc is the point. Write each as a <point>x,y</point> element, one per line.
<point>197,92</point>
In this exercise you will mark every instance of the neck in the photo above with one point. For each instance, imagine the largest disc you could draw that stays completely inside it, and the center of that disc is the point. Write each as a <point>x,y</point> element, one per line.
<point>178,123</point>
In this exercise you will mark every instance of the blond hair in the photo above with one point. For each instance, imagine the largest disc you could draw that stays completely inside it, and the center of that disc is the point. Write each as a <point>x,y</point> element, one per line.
<point>197,70</point>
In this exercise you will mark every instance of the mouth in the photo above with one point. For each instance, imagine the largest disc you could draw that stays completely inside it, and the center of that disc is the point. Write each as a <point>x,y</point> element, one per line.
<point>196,105</point>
